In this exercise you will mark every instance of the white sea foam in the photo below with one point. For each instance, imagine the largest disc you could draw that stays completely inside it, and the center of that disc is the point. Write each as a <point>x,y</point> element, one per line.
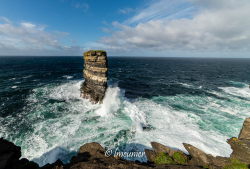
<point>174,128</point>
<point>241,92</point>
<point>67,77</point>
<point>111,102</point>
<point>61,122</point>
<point>190,86</point>
<point>186,85</point>
<point>14,87</point>
<point>26,77</point>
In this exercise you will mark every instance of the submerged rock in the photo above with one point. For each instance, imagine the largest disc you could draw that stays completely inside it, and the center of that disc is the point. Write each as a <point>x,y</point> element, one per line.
<point>95,75</point>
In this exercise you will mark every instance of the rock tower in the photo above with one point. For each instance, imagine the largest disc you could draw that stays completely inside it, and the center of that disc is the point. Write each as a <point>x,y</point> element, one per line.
<point>95,74</point>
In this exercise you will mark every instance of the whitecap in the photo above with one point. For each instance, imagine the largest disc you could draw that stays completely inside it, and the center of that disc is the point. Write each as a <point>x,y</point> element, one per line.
<point>67,77</point>
<point>240,92</point>
<point>186,85</point>
<point>26,77</point>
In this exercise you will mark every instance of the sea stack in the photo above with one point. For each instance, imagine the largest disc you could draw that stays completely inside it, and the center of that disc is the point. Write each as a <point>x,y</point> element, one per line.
<point>95,75</point>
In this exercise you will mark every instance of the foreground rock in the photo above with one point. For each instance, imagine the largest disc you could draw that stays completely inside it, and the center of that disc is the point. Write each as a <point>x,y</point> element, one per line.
<point>241,145</point>
<point>10,155</point>
<point>90,156</point>
<point>95,75</point>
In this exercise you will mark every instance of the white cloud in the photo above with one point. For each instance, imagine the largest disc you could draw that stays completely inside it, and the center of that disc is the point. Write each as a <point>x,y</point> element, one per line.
<point>126,11</point>
<point>28,38</point>
<point>158,9</point>
<point>28,25</point>
<point>83,6</point>
<point>167,25</point>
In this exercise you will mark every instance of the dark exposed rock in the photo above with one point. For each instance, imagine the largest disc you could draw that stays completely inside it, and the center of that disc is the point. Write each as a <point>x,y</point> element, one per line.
<point>57,165</point>
<point>10,155</point>
<point>95,75</point>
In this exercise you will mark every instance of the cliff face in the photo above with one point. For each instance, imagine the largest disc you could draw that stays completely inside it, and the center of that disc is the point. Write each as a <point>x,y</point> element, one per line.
<point>95,75</point>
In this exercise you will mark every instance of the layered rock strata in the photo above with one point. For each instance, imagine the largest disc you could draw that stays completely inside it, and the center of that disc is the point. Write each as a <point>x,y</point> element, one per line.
<point>95,74</point>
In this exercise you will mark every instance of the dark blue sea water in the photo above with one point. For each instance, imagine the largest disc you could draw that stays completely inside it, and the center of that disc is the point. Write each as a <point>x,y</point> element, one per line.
<point>169,100</point>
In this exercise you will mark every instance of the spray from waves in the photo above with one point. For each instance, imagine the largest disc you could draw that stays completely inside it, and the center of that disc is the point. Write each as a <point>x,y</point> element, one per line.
<point>56,122</point>
<point>111,102</point>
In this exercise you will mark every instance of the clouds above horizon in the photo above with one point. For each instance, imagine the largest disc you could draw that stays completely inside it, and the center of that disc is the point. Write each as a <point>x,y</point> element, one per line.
<point>26,38</point>
<point>148,27</point>
<point>184,25</point>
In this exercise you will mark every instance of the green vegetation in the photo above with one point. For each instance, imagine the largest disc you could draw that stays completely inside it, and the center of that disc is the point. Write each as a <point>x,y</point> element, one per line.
<point>236,164</point>
<point>206,166</point>
<point>177,158</point>
<point>94,51</point>
<point>163,158</point>
<point>180,158</point>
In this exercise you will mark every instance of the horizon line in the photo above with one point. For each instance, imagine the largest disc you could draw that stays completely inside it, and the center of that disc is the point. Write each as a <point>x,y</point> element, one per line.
<point>212,57</point>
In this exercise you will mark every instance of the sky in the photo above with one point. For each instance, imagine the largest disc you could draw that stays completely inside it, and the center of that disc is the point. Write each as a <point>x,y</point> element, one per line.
<point>168,28</point>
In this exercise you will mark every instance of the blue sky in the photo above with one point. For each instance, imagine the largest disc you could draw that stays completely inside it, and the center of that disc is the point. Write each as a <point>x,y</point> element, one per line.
<point>201,28</point>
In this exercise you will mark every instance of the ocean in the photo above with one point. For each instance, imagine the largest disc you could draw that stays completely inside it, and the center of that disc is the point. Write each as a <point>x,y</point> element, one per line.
<point>198,101</point>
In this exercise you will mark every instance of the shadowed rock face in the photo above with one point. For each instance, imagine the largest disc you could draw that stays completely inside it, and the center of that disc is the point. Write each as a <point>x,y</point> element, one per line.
<point>95,75</point>
<point>10,155</point>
